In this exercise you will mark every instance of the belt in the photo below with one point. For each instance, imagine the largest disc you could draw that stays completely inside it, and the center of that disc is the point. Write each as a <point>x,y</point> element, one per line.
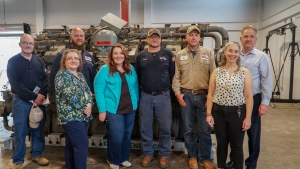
<point>157,93</point>
<point>196,91</point>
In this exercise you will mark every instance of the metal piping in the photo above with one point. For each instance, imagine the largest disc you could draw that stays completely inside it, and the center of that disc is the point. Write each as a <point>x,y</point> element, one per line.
<point>5,123</point>
<point>209,28</point>
<point>216,38</point>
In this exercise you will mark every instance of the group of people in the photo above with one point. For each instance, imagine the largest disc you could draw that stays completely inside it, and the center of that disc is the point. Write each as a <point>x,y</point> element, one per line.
<point>230,98</point>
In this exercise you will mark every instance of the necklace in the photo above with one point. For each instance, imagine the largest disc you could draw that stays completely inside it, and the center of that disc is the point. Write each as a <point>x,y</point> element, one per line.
<point>227,84</point>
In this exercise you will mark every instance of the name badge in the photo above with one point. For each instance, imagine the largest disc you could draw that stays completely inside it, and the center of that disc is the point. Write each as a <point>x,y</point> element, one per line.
<point>183,58</point>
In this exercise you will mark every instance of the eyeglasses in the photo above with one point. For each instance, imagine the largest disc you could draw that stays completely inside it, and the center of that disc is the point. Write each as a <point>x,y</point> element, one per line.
<point>27,43</point>
<point>70,58</point>
<point>154,37</point>
<point>78,36</point>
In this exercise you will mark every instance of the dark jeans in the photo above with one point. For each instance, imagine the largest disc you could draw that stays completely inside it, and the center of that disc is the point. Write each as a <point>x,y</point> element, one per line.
<point>254,134</point>
<point>228,129</point>
<point>119,128</point>
<point>196,111</point>
<point>20,112</point>
<point>76,145</point>
<point>160,107</point>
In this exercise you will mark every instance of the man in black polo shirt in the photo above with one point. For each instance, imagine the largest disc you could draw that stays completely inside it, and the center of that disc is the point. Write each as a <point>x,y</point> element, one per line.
<point>155,69</point>
<point>28,79</point>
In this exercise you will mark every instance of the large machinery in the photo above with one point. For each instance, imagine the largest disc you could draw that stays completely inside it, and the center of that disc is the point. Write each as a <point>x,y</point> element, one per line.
<point>99,40</point>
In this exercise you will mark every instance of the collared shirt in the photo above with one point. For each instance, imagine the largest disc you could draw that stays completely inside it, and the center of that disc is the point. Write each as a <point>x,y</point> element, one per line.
<point>155,70</point>
<point>259,65</point>
<point>193,72</point>
<point>25,75</point>
<point>72,96</point>
<point>88,69</point>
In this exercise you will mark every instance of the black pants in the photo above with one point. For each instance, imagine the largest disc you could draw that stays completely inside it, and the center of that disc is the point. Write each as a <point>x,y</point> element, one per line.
<point>228,129</point>
<point>254,134</point>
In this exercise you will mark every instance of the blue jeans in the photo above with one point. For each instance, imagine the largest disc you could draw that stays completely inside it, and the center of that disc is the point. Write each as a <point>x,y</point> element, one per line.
<point>160,107</point>
<point>196,109</point>
<point>77,144</point>
<point>119,128</point>
<point>20,112</point>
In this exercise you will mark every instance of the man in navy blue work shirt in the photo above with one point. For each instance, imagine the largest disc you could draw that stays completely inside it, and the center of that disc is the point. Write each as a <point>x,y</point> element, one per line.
<point>259,65</point>
<point>88,70</point>
<point>155,69</point>
<point>28,79</point>
<point>77,42</point>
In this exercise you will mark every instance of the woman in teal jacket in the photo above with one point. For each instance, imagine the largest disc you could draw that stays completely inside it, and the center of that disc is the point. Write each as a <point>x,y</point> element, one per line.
<point>117,95</point>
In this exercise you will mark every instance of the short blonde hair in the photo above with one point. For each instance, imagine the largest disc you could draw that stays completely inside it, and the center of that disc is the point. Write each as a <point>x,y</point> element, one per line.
<point>64,58</point>
<point>249,27</point>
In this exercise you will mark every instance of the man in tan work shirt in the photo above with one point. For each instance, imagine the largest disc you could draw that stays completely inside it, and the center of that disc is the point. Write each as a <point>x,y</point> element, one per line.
<point>193,66</point>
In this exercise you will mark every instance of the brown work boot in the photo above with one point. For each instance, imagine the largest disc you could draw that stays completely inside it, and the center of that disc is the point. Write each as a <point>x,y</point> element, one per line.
<point>207,165</point>
<point>146,161</point>
<point>41,161</point>
<point>163,162</point>
<point>18,166</point>
<point>193,163</point>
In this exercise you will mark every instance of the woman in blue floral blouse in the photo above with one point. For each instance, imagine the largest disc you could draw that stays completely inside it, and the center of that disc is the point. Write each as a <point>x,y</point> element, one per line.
<point>117,95</point>
<point>74,105</point>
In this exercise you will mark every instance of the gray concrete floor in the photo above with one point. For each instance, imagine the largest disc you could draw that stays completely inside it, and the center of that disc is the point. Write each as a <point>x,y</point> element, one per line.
<point>280,146</point>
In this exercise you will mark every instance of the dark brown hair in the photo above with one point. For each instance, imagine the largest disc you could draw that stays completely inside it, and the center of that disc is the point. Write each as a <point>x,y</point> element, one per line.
<point>64,58</point>
<point>111,64</point>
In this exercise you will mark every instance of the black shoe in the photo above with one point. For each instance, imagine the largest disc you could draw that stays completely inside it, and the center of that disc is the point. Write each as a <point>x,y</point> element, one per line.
<point>250,167</point>
<point>229,165</point>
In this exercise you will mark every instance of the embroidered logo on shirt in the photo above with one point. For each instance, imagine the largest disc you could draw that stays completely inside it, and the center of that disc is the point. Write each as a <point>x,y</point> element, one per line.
<point>162,58</point>
<point>204,57</point>
<point>88,58</point>
<point>183,58</point>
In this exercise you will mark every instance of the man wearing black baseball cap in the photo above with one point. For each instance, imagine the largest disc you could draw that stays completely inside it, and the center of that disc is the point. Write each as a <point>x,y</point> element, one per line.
<point>155,70</point>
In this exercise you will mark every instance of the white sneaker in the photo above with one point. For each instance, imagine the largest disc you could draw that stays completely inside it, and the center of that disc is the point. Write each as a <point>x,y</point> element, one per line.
<point>112,166</point>
<point>126,164</point>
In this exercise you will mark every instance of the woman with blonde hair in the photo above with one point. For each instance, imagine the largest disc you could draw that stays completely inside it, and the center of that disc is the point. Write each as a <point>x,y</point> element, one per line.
<point>74,104</point>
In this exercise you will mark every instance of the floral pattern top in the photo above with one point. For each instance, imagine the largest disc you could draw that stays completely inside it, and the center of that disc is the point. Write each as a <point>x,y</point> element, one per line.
<point>71,99</point>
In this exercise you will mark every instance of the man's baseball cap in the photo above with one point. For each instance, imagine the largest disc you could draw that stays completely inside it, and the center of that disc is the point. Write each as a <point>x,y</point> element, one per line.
<point>191,28</point>
<point>35,116</point>
<point>153,31</point>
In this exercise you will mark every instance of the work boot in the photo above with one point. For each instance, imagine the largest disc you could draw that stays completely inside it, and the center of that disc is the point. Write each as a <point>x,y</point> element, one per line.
<point>18,166</point>
<point>193,163</point>
<point>163,162</point>
<point>146,161</point>
<point>207,165</point>
<point>41,161</point>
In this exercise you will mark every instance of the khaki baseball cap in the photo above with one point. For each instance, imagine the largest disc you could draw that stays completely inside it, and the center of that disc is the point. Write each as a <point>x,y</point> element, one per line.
<point>191,28</point>
<point>153,31</point>
<point>35,116</point>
